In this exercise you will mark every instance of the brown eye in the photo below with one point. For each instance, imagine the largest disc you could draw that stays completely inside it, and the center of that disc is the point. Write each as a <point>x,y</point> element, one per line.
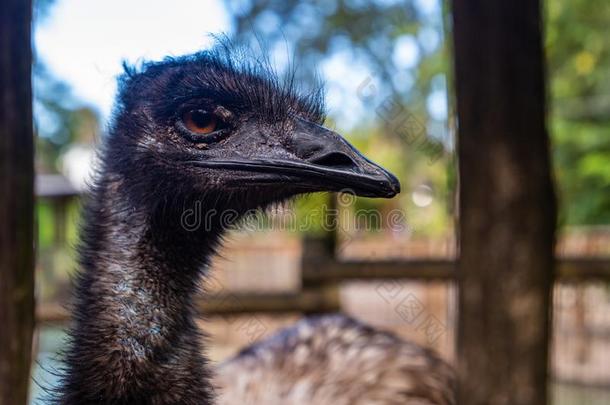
<point>200,122</point>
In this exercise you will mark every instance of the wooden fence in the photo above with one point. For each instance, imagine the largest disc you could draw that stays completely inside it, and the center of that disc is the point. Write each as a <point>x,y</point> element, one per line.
<point>506,207</point>
<point>320,272</point>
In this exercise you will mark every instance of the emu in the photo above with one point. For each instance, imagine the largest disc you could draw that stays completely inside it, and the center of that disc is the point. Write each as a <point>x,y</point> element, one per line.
<point>222,130</point>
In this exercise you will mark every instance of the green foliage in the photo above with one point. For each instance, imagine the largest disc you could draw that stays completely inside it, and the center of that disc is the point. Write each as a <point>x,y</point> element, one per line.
<point>578,53</point>
<point>44,216</point>
<point>393,130</point>
<point>311,32</point>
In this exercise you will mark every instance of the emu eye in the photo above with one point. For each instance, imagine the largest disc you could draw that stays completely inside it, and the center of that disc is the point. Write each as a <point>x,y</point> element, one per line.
<point>200,122</point>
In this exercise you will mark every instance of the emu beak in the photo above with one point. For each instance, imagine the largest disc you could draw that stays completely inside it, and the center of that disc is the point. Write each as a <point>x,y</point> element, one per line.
<point>337,164</point>
<point>325,161</point>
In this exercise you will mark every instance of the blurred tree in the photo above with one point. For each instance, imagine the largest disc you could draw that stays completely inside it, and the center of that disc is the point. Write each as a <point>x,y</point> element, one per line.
<point>578,55</point>
<point>395,58</point>
<point>400,42</point>
<point>62,123</point>
<point>404,46</point>
<point>61,119</point>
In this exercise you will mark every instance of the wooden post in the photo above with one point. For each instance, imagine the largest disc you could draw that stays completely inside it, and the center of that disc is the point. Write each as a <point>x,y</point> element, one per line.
<point>318,256</point>
<point>506,203</point>
<point>16,202</point>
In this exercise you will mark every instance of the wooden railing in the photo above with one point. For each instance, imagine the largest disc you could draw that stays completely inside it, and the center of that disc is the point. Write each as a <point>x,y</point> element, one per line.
<point>321,272</point>
<point>503,157</point>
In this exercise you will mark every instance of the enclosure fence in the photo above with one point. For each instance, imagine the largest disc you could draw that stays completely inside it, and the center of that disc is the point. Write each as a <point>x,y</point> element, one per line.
<point>506,266</point>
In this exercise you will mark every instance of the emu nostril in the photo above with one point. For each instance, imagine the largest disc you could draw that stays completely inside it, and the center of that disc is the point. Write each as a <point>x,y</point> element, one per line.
<point>334,159</point>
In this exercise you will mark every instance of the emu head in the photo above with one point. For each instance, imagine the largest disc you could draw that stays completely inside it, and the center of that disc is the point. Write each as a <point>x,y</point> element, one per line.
<point>223,127</point>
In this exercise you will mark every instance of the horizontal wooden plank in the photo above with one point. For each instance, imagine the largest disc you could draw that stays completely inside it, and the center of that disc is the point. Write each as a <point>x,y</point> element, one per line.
<point>324,298</point>
<point>424,269</point>
<point>568,270</point>
<point>313,300</point>
<point>579,269</point>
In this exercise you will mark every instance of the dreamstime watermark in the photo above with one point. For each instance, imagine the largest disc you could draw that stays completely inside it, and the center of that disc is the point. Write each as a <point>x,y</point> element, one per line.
<point>411,310</point>
<point>251,326</point>
<point>400,121</point>
<point>344,218</point>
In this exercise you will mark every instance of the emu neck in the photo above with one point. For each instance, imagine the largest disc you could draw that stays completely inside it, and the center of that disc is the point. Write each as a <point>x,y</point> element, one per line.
<point>135,339</point>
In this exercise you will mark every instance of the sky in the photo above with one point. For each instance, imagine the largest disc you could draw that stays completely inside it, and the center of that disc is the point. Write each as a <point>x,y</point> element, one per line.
<point>84,42</point>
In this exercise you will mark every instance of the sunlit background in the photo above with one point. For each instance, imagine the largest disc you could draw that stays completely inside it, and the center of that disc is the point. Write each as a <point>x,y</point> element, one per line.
<point>386,65</point>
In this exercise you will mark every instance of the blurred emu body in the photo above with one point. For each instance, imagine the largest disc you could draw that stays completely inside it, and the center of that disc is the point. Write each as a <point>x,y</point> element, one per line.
<point>335,360</point>
<point>220,131</point>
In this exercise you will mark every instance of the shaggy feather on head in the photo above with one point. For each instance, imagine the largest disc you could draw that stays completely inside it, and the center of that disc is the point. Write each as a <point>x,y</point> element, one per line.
<point>147,133</point>
<point>262,130</point>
